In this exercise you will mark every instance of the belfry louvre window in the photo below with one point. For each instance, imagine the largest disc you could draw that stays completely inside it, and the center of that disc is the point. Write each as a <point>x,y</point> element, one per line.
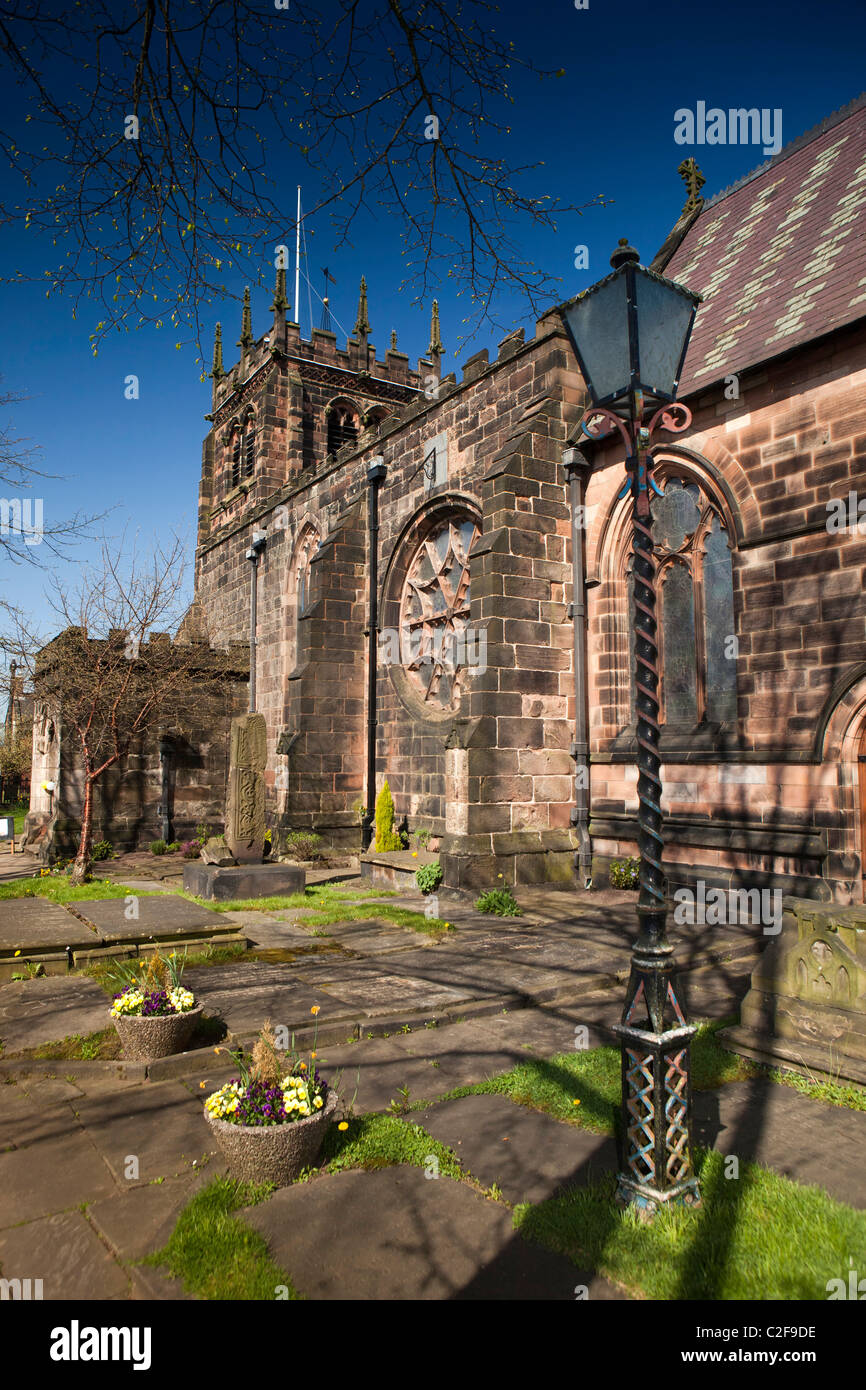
<point>695,590</point>
<point>342,425</point>
<point>242,450</point>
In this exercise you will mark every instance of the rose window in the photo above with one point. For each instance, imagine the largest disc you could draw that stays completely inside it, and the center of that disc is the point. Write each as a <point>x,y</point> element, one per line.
<point>434,613</point>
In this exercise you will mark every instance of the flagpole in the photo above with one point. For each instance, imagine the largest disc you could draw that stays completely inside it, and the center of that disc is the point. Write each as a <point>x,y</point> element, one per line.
<point>298,262</point>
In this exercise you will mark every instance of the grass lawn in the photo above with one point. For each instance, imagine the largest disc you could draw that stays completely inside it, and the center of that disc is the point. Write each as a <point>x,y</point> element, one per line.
<point>583,1088</point>
<point>323,906</point>
<point>17,811</point>
<point>759,1236</point>
<point>58,888</point>
<point>218,1257</point>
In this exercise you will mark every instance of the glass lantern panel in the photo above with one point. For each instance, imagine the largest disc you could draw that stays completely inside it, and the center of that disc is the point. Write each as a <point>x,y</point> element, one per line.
<point>663,316</point>
<point>599,325</point>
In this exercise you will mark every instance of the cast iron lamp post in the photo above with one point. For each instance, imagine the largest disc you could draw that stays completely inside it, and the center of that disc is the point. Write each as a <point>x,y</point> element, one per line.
<point>630,333</point>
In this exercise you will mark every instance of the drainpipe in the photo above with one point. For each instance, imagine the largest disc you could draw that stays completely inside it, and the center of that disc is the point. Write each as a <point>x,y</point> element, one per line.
<point>257,545</point>
<point>578,468</point>
<point>376,473</point>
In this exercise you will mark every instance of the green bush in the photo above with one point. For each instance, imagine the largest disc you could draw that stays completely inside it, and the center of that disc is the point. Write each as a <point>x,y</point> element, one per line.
<point>421,837</point>
<point>624,873</point>
<point>428,877</point>
<point>499,901</point>
<point>304,844</point>
<point>158,847</point>
<point>173,847</point>
<point>202,833</point>
<point>387,838</point>
<point>102,849</point>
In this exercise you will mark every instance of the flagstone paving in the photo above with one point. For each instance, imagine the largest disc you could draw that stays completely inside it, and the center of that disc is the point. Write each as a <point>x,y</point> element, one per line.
<point>69,1131</point>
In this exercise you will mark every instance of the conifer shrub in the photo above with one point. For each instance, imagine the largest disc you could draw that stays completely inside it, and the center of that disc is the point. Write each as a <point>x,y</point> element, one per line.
<point>387,838</point>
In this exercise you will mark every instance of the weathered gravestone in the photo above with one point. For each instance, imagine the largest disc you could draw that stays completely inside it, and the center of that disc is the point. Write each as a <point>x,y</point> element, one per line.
<point>806,1008</point>
<point>234,870</point>
<point>245,806</point>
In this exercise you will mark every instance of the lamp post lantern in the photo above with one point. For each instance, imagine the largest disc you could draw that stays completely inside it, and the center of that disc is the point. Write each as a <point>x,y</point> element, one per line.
<point>630,333</point>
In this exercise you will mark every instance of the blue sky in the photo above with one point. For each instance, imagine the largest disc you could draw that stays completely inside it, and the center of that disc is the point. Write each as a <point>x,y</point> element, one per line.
<point>606,127</point>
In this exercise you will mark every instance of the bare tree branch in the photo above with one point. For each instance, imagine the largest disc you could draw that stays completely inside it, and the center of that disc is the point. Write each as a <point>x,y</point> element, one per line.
<point>398,109</point>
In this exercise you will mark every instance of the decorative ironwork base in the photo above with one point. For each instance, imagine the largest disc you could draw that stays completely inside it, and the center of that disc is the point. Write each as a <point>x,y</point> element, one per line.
<point>655,1145</point>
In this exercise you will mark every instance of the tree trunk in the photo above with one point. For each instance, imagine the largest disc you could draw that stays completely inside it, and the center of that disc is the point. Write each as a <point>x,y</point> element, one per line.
<point>83,866</point>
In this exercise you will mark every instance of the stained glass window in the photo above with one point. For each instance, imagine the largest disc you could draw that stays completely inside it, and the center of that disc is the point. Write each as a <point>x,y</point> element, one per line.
<point>695,594</point>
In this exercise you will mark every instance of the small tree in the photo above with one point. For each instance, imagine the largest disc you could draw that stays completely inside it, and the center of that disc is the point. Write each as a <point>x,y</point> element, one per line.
<point>16,753</point>
<point>386,836</point>
<point>111,677</point>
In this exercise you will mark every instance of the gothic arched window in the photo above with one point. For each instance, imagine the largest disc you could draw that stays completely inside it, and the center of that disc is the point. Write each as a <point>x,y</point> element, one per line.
<point>695,608</point>
<point>434,612</point>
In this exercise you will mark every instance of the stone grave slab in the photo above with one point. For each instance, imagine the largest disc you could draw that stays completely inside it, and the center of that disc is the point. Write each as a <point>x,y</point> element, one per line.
<point>545,1032</point>
<point>373,937</point>
<point>530,1155</point>
<point>392,1235</point>
<point>245,995</point>
<point>34,925</point>
<point>67,1255</point>
<point>378,1069</point>
<point>48,1009</point>
<point>371,992</point>
<point>159,919</point>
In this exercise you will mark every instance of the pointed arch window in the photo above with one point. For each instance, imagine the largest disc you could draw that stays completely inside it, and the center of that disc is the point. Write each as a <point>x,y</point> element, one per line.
<point>695,608</point>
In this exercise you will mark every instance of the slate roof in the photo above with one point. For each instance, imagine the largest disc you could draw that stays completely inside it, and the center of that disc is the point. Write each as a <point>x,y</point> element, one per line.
<point>780,256</point>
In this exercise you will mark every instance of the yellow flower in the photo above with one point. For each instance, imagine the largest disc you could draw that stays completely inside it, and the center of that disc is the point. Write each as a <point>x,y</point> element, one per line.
<point>342,1125</point>
<point>414,854</point>
<point>216,1051</point>
<point>201,1085</point>
<point>314,1009</point>
<point>18,953</point>
<point>576,1102</point>
<point>303,1066</point>
<point>313,1056</point>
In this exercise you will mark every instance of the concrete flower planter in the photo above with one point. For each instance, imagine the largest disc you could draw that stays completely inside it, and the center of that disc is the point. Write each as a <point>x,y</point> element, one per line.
<point>162,1035</point>
<point>273,1153</point>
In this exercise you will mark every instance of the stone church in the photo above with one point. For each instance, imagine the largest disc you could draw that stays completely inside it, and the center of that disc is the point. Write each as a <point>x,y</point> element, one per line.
<point>487,535</point>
